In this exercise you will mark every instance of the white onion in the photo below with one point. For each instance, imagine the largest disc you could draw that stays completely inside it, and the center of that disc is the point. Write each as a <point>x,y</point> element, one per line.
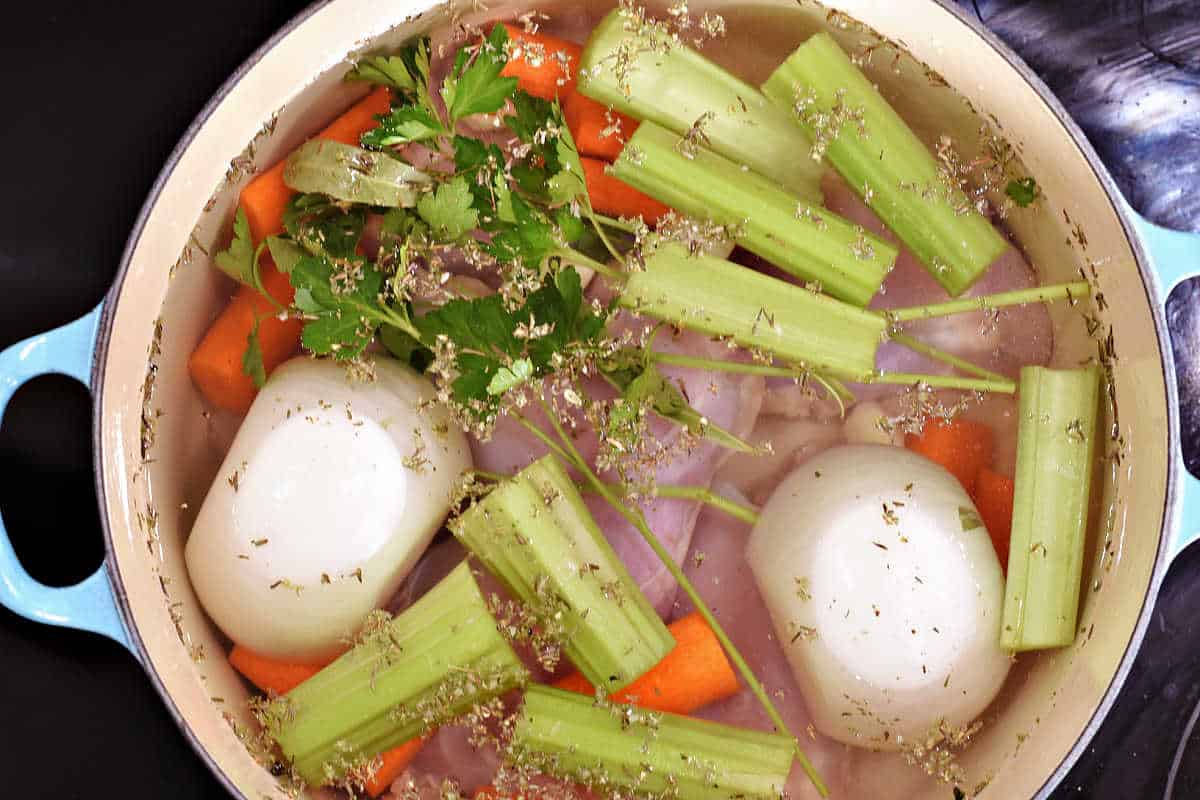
<point>886,593</point>
<point>330,492</point>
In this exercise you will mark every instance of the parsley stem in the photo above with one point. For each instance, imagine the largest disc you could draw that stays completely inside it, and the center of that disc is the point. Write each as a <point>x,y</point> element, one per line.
<point>1017,297</point>
<point>699,494</point>
<point>1002,386</point>
<point>711,498</point>
<point>546,440</point>
<point>613,222</point>
<point>608,245</point>
<point>917,346</point>
<point>716,365</point>
<point>578,259</point>
<point>494,477</point>
<point>638,521</point>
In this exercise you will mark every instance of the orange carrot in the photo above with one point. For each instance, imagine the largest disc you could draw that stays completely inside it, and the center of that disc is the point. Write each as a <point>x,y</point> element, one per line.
<point>598,131</point>
<point>544,66</point>
<point>281,677</point>
<point>216,363</point>
<point>268,674</point>
<point>994,498</point>
<point>394,762</point>
<point>694,674</point>
<point>489,792</point>
<point>961,446</point>
<point>616,199</point>
<point>265,198</point>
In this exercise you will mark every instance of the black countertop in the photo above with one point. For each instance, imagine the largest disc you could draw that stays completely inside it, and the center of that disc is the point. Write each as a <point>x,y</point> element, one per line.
<point>96,96</point>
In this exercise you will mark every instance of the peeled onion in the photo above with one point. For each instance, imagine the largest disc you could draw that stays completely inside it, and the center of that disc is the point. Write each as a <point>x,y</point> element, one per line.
<point>884,587</point>
<point>330,492</point>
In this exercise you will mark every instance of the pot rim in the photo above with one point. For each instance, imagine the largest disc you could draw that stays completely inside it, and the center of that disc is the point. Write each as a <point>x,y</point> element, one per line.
<point>1150,285</point>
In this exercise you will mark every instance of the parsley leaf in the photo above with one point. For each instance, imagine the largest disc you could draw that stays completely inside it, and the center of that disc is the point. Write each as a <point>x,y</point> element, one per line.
<point>475,86</point>
<point>528,240</point>
<point>322,226</point>
<point>405,124</point>
<point>385,71</point>
<point>240,260</point>
<point>450,210</point>
<point>489,356</point>
<point>284,252</point>
<point>252,359</point>
<point>341,323</point>
<point>1023,191</point>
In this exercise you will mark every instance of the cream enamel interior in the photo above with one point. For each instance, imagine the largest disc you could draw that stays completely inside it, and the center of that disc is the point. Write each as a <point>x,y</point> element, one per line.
<point>151,497</point>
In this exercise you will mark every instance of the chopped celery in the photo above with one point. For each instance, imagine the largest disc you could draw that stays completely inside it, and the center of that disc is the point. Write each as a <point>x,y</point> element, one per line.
<point>721,298</point>
<point>809,242</point>
<point>536,535</point>
<point>1056,439</point>
<point>884,161</point>
<point>350,173</point>
<point>630,65</point>
<point>629,752</point>
<point>433,662</point>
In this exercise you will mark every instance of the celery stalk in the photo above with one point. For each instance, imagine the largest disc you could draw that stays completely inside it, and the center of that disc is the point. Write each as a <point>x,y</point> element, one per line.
<point>1056,439</point>
<point>536,535</point>
<point>809,242</point>
<point>647,754</point>
<point>433,662</point>
<point>757,311</point>
<point>883,160</point>
<point>625,65</point>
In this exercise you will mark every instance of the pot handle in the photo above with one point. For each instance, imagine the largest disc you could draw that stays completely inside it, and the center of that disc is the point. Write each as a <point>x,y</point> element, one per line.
<point>1176,257</point>
<point>90,604</point>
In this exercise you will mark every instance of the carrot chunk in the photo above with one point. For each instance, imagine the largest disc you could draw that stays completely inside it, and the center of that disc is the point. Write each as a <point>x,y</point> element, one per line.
<point>268,674</point>
<point>216,363</point>
<point>961,446</point>
<point>994,499</point>
<point>599,132</point>
<point>616,198</point>
<point>694,674</point>
<point>545,66</point>
<point>394,762</point>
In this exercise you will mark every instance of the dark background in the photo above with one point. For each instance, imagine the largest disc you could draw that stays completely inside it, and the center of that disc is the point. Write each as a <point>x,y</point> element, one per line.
<point>95,96</point>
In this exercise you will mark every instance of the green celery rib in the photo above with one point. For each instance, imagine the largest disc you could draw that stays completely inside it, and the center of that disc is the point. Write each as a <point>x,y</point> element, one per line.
<point>807,241</point>
<point>536,535</point>
<point>954,242</point>
<point>350,173</point>
<point>676,88</point>
<point>346,711</point>
<point>757,311</point>
<point>647,754</point>
<point>1056,440</point>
